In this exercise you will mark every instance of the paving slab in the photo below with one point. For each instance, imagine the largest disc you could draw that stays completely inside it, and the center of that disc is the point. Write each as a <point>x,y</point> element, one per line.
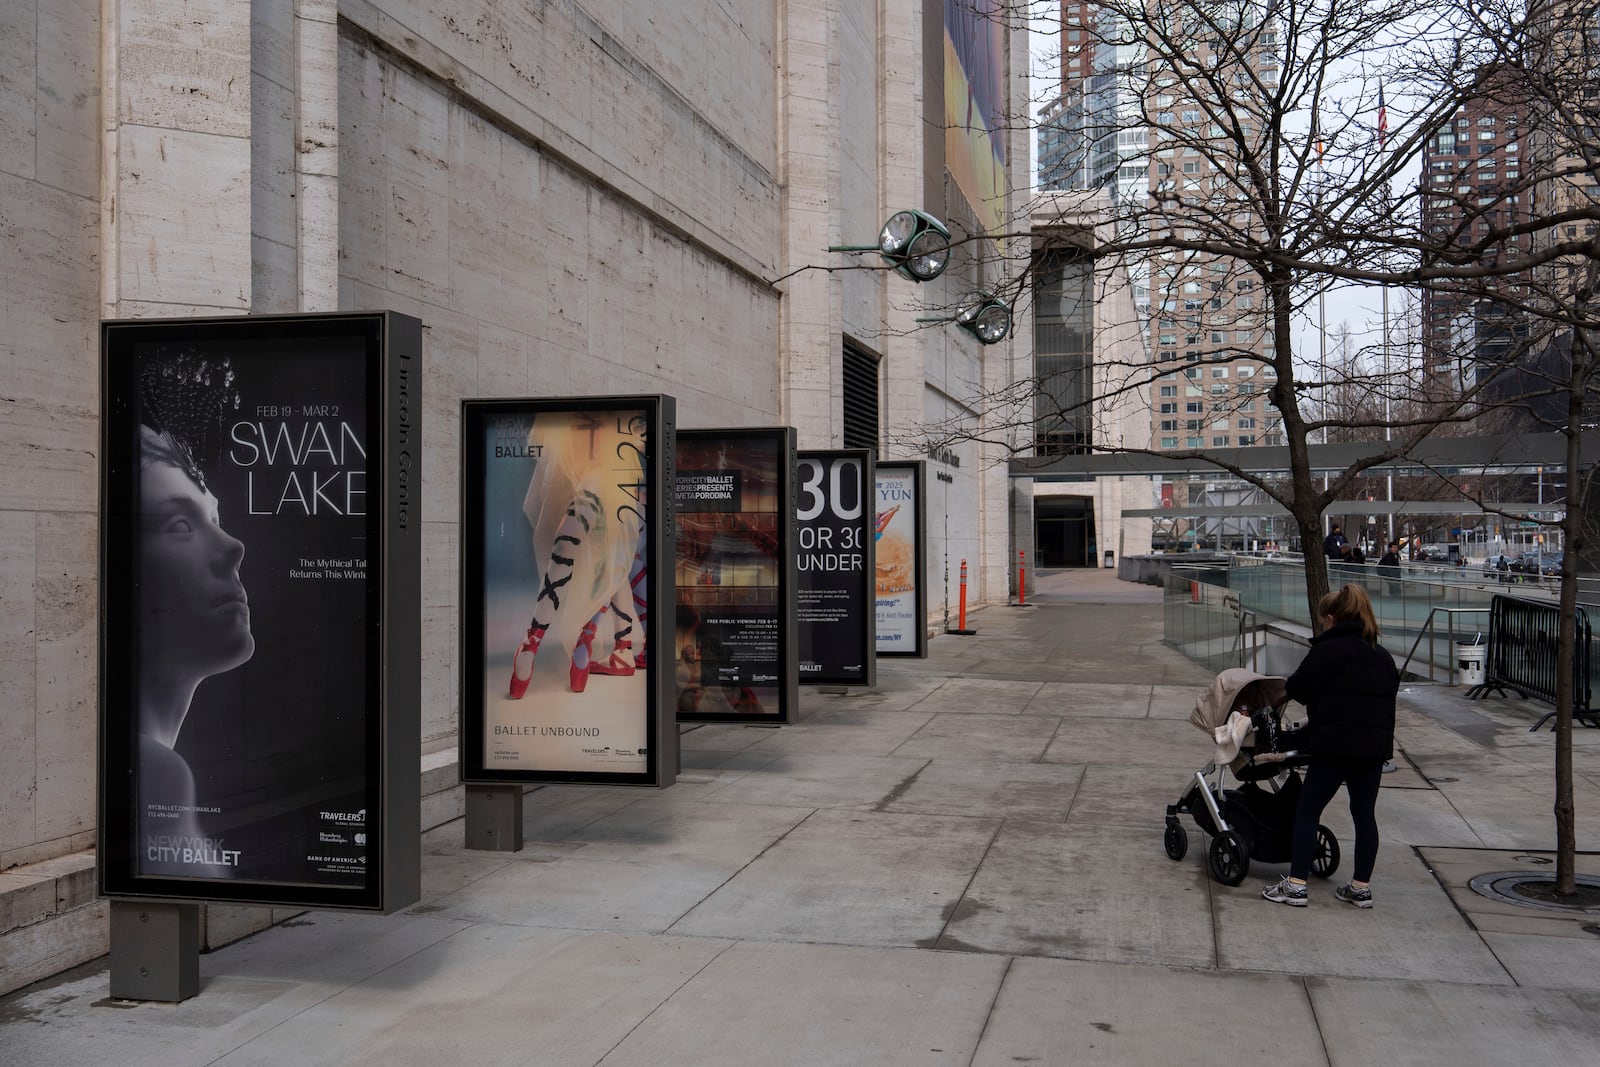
<point>553,812</point>
<point>1429,1023</point>
<point>991,788</point>
<point>254,989</point>
<point>1542,961</point>
<point>1174,701</point>
<point>1409,816</point>
<point>1134,798</point>
<point>895,691</point>
<point>782,1004</point>
<point>1087,1014</point>
<point>1455,868</point>
<point>720,736</point>
<point>865,731</point>
<point>816,780</point>
<point>1017,738</point>
<point>842,877</point>
<point>1098,700</point>
<point>981,696</point>
<point>1085,892</point>
<point>1148,742</point>
<point>1410,932</point>
<point>708,766</point>
<point>493,995</point>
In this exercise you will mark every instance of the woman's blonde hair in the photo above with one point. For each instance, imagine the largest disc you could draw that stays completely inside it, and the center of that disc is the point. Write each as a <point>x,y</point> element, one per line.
<point>1351,603</point>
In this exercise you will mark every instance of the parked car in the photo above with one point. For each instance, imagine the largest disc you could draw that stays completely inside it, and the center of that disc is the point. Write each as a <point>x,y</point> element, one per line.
<point>1551,564</point>
<point>1525,563</point>
<point>1497,567</point>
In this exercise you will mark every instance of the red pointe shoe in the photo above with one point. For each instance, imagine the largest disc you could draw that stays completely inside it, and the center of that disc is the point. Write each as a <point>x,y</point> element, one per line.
<point>619,664</point>
<point>578,677</point>
<point>522,664</point>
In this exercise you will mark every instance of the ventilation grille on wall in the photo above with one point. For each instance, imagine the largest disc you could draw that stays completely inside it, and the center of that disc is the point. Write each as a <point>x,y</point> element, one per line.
<point>860,399</point>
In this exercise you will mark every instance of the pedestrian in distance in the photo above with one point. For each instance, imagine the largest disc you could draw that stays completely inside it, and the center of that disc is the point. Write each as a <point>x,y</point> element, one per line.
<point>1333,544</point>
<point>1348,684</point>
<point>1389,567</point>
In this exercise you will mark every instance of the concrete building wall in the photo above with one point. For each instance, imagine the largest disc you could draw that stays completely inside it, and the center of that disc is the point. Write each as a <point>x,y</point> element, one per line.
<point>575,198</point>
<point>50,112</point>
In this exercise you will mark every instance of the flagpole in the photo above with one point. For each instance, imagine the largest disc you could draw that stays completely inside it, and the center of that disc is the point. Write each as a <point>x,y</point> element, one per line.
<point>1388,389</point>
<point>1322,294</point>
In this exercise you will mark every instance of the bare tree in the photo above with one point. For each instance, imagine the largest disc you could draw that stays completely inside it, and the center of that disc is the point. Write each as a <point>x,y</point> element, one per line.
<point>1251,167</point>
<point>1256,154</point>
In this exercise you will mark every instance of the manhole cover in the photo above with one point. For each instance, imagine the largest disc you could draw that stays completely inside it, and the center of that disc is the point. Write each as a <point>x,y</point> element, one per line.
<point>1540,861</point>
<point>1536,889</point>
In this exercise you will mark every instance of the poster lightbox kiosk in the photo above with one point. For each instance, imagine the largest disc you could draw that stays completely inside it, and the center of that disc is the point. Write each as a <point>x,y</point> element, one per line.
<point>260,561</point>
<point>836,608</point>
<point>567,545</point>
<point>901,559</point>
<point>735,651</point>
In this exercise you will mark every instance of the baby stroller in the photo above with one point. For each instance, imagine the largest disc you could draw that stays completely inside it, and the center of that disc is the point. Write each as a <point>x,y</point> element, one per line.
<point>1250,822</point>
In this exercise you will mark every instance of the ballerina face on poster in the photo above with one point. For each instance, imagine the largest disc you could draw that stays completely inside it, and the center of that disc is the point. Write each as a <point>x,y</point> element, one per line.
<point>194,613</point>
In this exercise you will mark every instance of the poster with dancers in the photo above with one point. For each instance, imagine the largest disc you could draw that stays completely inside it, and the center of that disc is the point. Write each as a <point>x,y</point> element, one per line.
<point>260,674</point>
<point>900,543</point>
<point>734,640</point>
<point>564,527</point>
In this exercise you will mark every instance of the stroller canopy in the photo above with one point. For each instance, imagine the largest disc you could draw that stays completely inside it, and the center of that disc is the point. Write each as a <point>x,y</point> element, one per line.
<point>1236,689</point>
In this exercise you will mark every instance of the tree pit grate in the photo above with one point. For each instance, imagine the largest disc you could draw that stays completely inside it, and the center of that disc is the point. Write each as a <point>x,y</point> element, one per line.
<point>1536,889</point>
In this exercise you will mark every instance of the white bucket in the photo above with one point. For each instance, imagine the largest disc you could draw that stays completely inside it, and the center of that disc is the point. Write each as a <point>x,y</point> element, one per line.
<point>1470,661</point>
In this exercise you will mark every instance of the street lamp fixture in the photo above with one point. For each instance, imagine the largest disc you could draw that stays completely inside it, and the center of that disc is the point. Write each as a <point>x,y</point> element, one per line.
<point>913,242</point>
<point>986,318</point>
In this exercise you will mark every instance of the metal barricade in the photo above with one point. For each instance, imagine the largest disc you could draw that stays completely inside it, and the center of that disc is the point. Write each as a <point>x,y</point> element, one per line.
<point>1523,641</point>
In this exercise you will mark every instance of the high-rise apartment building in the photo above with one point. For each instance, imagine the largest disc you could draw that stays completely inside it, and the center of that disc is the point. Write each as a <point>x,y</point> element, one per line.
<point>1148,134</point>
<point>1475,183</point>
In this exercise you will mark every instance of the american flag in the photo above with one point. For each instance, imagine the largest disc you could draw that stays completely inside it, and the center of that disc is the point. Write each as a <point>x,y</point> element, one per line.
<point>1383,120</point>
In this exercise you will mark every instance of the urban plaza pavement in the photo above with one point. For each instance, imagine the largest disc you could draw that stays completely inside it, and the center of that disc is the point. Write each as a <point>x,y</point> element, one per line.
<point>961,866</point>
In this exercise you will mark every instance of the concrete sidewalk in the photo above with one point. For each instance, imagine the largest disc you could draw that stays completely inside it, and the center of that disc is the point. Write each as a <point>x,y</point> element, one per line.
<point>961,866</point>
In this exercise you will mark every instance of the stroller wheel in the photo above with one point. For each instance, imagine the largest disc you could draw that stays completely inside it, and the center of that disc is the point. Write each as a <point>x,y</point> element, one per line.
<point>1326,860</point>
<point>1176,840</point>
<point>1227,859</point>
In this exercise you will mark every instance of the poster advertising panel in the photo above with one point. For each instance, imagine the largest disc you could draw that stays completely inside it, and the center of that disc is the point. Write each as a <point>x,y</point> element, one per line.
<point>899,560</point>
<point>836,617</point>
<point>566,547</point>
<point>735,642</point>
<point>260,587</point>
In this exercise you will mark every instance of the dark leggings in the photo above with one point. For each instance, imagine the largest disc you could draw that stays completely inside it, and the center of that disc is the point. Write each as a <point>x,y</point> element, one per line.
<point>1361,777</point>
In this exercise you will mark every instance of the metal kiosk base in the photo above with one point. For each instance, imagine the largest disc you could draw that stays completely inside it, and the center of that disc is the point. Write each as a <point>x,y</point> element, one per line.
<point>494,818</point>
<point>155,951</point>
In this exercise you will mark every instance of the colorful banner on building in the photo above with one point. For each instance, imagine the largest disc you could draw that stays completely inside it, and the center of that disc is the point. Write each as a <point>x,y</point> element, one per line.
<point>561,585</point>
<point>975,106</point>
<point>835,612</point>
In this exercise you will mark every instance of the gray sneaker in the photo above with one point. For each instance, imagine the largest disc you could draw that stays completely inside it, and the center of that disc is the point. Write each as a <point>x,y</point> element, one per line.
<point>1284,891</point>
<point>1361,898</point>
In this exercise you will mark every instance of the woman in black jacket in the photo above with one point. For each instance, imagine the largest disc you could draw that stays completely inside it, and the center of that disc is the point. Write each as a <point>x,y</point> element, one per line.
<point>1348,684</point>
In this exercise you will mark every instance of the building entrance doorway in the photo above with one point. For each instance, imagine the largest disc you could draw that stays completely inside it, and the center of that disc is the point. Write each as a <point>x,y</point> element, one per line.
<point>1063,528</point>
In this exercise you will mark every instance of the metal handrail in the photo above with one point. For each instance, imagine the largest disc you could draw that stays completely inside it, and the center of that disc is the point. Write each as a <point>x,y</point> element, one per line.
<point>1254,630</point>
<point>1430,631</point>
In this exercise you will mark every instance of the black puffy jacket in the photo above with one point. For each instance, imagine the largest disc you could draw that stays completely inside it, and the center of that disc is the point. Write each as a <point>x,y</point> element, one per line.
<point>1348,688</point>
